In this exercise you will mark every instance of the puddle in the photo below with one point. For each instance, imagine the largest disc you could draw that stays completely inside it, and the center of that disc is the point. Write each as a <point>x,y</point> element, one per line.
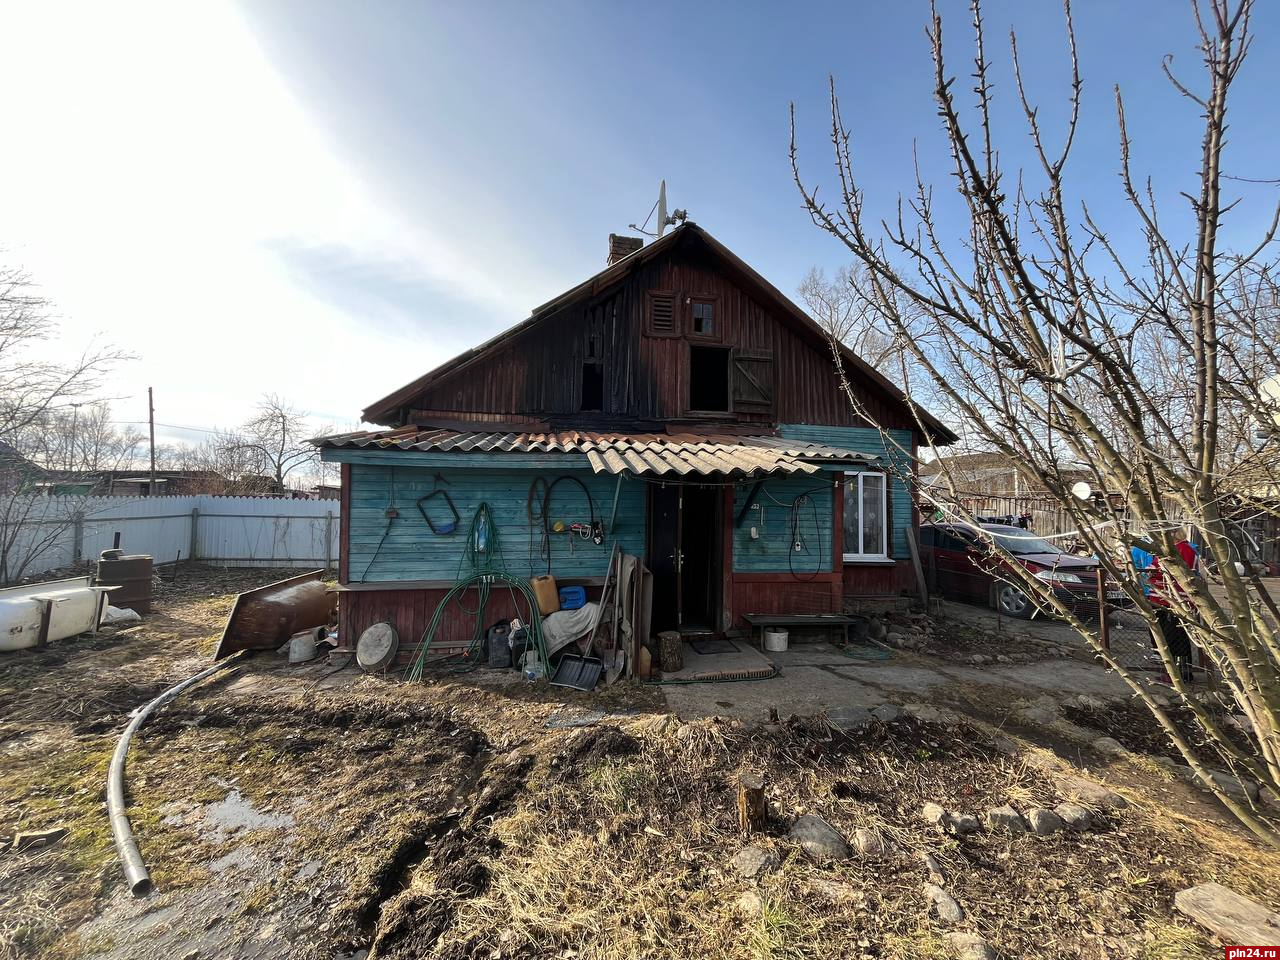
<point>234,813</point>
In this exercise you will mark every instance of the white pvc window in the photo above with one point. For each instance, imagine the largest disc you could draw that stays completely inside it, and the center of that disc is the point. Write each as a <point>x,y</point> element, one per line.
<point>866,517</point>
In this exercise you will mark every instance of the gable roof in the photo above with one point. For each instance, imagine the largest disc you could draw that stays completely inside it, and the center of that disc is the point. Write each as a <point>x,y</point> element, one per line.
<point>382,410</point>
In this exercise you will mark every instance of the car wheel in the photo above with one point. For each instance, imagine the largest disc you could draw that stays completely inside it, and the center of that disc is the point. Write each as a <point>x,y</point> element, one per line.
<point>1012,602</point>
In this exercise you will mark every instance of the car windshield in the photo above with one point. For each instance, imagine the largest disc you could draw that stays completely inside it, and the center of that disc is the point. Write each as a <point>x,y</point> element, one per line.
<point>1018,541</point>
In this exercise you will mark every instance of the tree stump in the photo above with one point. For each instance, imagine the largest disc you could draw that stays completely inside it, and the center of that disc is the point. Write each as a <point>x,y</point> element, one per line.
<point>752,809</point>
<point>670,651</point>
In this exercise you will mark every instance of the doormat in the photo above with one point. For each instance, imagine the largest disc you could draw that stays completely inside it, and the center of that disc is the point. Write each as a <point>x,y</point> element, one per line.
<point>707,647</point>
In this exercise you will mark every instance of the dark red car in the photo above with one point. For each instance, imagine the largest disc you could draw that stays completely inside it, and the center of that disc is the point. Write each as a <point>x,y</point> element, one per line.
<point>963,568</point>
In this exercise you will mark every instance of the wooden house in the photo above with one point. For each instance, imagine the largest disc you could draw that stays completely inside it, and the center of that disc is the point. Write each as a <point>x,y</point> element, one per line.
<point>698,411</point>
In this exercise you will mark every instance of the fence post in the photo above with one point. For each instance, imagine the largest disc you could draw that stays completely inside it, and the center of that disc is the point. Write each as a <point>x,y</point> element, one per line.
<point>328,540</point>
<point>77,539</point>
<point>193,551</point>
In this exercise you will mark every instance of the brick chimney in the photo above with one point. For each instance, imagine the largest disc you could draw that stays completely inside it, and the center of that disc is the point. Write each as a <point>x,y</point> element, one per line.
<point>620,247</point>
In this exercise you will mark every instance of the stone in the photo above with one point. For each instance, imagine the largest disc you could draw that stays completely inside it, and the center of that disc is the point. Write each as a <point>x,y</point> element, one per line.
<point>932,865</point>
<point>1044,822</point>
<point>1086,702</point>
<point>1090,793</point>
<point>750,904</point>
<point>849,718</point>
<point>1234,786</point>
<point>871,843</point>
<point>1001,658</point>
<point>887,712</point>
<point>970,946</point>
<point>754,861</point>
<point>922,711</point>
<point>1231,917</point>
<point>963,824</point>
<point>894,639</point>
<point>1005,820</point>
<point>820,839</point>
<point>944,905</point>
<point>35,839</point>
<point>1110,746</point>
<point>1040,715</point>
<point>876,629</point>
<point>1074,816</point>
<point>935,815</point>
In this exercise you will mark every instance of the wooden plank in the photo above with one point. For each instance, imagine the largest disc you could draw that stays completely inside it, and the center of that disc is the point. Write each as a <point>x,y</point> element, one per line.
<point>1235,920</point>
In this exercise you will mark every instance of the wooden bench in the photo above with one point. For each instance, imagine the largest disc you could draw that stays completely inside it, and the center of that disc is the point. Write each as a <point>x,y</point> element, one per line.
<point>761,620</point>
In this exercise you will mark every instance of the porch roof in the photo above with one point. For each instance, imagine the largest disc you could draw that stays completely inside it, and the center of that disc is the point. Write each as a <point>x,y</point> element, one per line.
<point>615,453</point>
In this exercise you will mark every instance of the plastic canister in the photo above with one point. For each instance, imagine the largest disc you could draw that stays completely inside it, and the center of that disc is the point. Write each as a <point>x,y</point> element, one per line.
<point>544,590</point>
<point>572,598</point>
<point>775,639</point>
<point>499,645</point>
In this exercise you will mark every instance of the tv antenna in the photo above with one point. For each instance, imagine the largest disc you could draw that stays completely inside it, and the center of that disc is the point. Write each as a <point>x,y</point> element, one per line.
<point>664,220</point>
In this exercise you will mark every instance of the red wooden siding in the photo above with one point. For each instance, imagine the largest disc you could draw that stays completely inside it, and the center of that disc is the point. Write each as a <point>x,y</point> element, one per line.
<point>538,372</point>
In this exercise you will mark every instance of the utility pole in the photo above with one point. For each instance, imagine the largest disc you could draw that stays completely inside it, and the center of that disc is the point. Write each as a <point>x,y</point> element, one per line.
<point>151,422</point>
<point>75,425</point>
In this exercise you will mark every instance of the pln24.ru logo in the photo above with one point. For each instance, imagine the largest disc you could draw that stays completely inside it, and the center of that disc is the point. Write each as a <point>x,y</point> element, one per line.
<point>1253,953</point>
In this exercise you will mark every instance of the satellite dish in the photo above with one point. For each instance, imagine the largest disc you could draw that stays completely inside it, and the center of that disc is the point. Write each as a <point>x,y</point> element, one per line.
<point>1081,490</point>
<point>664,219</point>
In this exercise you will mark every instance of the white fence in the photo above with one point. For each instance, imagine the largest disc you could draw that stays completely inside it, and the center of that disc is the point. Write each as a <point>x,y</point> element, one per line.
<point>45,533</point>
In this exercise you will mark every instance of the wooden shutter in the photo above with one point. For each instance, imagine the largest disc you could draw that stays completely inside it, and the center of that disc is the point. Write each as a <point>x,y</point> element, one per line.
<point>752,380</point>
<point>662,313</point>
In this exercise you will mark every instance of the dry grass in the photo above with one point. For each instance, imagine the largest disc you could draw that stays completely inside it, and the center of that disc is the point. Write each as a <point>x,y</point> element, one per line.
<point>450,823</point>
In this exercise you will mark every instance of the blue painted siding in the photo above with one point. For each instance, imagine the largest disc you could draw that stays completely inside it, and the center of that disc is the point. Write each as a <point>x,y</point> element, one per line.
<point>412,552</point>
<point>772,551</point>
<point>868,440</point>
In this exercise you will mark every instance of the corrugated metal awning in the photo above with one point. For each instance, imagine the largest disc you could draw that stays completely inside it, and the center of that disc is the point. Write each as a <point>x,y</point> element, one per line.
<point>613,453</point>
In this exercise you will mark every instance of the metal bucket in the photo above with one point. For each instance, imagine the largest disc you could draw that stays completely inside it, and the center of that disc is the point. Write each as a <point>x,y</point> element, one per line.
<point>132,575</point>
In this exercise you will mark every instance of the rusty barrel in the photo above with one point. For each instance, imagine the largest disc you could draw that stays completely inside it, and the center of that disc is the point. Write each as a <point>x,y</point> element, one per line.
<point>132,574</point>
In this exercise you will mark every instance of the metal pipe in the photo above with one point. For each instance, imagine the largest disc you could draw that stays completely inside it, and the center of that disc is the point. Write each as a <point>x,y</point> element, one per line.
<point>135,871</point>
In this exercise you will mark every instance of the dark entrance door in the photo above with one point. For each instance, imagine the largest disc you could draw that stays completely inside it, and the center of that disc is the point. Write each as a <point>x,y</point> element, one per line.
<point>684,555</point>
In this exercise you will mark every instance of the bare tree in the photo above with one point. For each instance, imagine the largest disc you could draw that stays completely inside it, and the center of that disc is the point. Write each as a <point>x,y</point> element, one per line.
<point>278,437</point>
<point>32,394</point>
<point>1059,347</point>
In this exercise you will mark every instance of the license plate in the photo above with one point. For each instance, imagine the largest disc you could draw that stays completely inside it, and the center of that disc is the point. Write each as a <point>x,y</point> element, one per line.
<point>1115,594</point>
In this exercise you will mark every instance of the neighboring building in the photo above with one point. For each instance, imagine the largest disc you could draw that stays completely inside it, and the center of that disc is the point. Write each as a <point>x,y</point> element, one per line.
<point>698,407</point>
<point>988,474</point>
<point>325,491</point>
<point>16,471</point>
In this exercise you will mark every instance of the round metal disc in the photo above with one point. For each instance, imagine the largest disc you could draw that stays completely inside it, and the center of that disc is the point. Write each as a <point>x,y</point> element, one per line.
<point>377,646</point>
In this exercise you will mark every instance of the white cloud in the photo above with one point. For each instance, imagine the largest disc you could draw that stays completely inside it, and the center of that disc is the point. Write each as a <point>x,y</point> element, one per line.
<point>154,160</point>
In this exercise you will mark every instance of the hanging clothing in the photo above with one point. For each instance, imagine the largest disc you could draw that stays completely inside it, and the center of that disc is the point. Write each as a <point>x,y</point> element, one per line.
<point>1158,592</point>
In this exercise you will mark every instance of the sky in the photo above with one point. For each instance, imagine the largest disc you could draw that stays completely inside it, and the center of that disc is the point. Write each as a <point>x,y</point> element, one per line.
<point>325,199</point>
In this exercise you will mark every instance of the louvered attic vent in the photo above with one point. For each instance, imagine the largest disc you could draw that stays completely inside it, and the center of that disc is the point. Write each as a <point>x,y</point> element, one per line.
<point>662,313</point>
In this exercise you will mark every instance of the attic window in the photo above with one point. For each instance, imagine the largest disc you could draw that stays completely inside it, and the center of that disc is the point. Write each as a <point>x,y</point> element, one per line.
<point>592,387</point>
<point>662,313</point>
<point>703,313</point>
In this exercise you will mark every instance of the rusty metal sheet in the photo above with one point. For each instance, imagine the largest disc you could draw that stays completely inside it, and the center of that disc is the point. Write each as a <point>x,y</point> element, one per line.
<point>267,617</point>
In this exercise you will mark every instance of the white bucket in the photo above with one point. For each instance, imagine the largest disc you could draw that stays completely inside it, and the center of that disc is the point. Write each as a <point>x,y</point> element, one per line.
<point>775,639</point>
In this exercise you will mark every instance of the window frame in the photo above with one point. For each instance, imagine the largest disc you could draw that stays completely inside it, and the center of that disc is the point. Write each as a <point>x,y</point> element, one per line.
<point>859,555</point>
<point>716,318</point>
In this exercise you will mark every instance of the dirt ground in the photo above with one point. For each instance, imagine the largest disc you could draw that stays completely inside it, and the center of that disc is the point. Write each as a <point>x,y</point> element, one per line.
<point>316,812</point>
